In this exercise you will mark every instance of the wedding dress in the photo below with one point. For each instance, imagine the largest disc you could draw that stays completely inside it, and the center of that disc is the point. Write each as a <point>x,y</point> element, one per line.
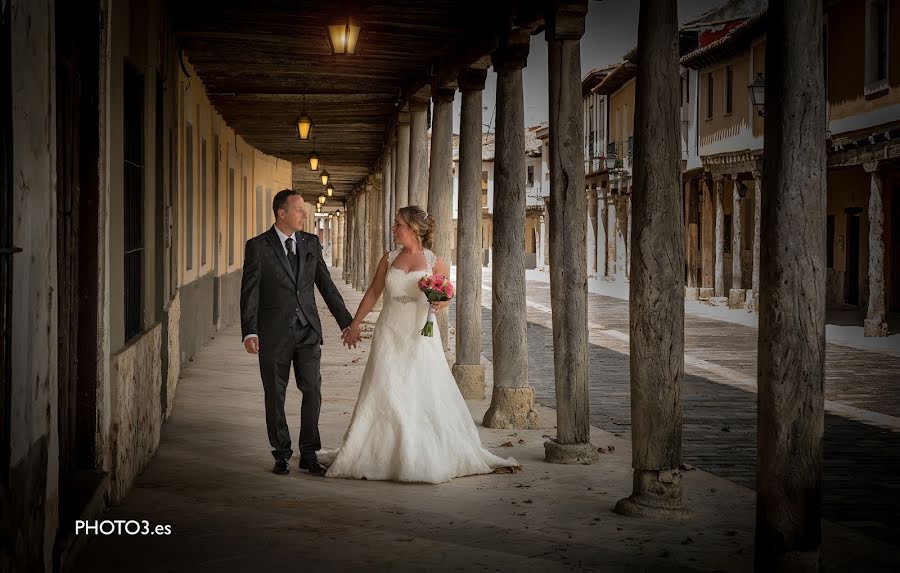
<point>410,422</point>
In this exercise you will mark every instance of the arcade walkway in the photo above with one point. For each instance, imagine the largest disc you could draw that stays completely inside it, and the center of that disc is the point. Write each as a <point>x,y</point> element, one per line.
<point>210,481</point>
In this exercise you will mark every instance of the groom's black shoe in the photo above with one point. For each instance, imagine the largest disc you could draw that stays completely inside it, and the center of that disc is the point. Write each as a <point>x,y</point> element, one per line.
<point>313,466</point>
<point>281,467</point>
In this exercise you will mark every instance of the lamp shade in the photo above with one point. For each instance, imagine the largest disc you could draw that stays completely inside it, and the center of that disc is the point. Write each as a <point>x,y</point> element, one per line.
<point>304,126</point>
<point>324,176</point>
<point>758,93</point>
<point>330,189</point>
<point>343,35</point>
<point>314,160</point>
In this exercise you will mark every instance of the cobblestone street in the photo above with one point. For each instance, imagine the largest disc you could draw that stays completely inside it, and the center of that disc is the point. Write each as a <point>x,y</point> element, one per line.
<point>861,459</point>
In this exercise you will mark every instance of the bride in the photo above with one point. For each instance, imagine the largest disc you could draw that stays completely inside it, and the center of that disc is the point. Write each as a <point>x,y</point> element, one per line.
<point>410,422</point>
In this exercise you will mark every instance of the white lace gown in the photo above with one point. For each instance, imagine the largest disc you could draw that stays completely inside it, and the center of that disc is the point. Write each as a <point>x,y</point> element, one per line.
<point>410,422</point>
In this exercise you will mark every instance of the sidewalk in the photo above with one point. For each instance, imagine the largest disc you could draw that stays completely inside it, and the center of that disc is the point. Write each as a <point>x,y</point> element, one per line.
<point>211,482</point>
<point>835,333</point>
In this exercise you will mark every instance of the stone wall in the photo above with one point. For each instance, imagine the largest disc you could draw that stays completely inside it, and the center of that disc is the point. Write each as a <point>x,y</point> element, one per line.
<point>136,410</point>
<point>196,322</point>
<point>230,298</point>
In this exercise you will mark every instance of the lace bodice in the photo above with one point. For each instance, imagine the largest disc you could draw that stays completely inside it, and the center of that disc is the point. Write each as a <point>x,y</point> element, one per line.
<point>402,286</point>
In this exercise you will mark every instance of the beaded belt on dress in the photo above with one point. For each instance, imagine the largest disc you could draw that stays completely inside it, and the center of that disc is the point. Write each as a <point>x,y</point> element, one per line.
<point>404,299</point>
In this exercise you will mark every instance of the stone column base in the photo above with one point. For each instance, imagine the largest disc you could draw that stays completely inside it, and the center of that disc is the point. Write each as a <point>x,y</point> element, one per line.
<point>691,293</point>
<point>470,380</point>
<point>706,293</point>
<point>512,408</point>
<point>718,300</point>
<point>736,298</point>
<point>556,453</point>
<point>875,327</point>
<point>657,495</point>
<point>798,561</point>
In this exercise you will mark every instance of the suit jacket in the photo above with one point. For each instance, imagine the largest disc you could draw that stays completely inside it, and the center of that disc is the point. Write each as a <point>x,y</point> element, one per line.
<point>271,296</point>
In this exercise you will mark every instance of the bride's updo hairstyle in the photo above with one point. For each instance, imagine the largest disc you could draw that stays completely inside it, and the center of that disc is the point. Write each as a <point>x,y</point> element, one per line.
<point>420,222</point>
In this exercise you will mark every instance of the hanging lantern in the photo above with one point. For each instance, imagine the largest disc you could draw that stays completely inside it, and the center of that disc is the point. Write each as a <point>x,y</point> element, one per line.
<point>321,199</point>
<point>343,35</point>
<point>330,189</point>
<point>314,158</point>
<point>304,123</point>
<point>324,176</point>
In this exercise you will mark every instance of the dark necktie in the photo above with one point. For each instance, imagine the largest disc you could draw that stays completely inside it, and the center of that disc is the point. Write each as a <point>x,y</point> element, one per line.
<point>292,255</point>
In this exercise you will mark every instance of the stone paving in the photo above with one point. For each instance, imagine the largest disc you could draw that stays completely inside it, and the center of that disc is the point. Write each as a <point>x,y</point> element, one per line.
<point>211,483</point>
<point>862,461</point>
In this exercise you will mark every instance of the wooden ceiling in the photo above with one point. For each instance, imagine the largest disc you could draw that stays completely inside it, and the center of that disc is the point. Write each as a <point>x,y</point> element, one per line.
<point>261,61</point>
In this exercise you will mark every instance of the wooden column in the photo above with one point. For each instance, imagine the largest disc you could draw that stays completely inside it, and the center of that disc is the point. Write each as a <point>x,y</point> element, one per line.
<point>657,273</point>
<point>512,401</point>
<point>440,185</point>
<point>348,240</point>
<point>387,195</point>
<point>720,237</point>
<point>468,370</point>
<point>401,185</point>
<point>568,241</point>
<point>875,324</point>
<point>591,235</point>
<point>737,293</point>
<point>792,297</point>
<point>612,223</point>
<point>757,213</point>
<point>601,233</point>
<point>418,152</point>
<point>707,240</point>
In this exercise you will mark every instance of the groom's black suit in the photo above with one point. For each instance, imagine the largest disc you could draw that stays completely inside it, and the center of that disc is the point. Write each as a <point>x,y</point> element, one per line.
<point>278,304</point>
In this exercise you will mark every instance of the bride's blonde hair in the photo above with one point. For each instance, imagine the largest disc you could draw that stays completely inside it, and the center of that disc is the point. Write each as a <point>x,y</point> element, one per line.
<point>420,222</point>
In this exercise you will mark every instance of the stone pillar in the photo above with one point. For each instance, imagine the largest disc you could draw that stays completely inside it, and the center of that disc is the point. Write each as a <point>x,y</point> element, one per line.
<point>376,230</point>
<point>757,213</point>
<point>512,401</point>
<point>338,258</point>
<point>791,360</point>
<point>568,243</point>
<point>627,233</point>
<point>875,324</point>
<point>401,185</point>
<point>387,217</point>
<point>656,290</point>
<point>591,235</point>
<point>362,239</point>
<point>611,236</point>
<point>707,240</point>
<point>601,233</point>
<point>737,293</point>
<point>720,237</point>
<point>418,152</point>
<point>440,186</point>
<point>467,369</point>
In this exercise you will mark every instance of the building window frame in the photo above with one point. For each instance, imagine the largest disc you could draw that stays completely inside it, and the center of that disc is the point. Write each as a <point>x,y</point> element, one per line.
<point>134,152</point>
<point>728,90</point>
<point>877,57</point>
<point>710,91</point>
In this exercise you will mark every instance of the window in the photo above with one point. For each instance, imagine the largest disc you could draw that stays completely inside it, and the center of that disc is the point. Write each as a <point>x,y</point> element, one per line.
<point>530,178</point>
<point>189,196</point>
<point>231,222</point>
<point>134,201</point>
<point>876,46</point>
<point>270,216</point>
<point>829,243</point>
<point>204,193</point>
<point>591,136</point>
<point>687,88</point>
<point>484,189</point>
<point>729,90</point>
<point>709,95</point>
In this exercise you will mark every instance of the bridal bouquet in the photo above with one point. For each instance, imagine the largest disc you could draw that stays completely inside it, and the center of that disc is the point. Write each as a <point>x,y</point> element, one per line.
<point>437,288</point>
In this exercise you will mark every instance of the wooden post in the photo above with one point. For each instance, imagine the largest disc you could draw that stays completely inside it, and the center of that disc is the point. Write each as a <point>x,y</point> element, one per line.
<point>401,185</point>
<point>568,245</point>
<point>657,279</point>
<point>468,370</point>
<point>791,365</point>
<point>418,152</point>
<point>440,185</point>
<point>874,324</point>
<point>512,401</point>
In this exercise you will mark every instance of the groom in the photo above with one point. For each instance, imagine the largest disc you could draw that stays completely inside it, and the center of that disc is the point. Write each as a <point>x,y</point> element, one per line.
<point>280,323</point>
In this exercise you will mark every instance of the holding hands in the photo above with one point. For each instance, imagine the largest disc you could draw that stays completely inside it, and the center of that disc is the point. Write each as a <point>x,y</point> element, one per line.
<point>351,336</point>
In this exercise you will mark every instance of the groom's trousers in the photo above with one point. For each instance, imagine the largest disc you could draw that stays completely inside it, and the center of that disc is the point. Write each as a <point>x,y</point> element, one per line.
<point>303,350</point>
